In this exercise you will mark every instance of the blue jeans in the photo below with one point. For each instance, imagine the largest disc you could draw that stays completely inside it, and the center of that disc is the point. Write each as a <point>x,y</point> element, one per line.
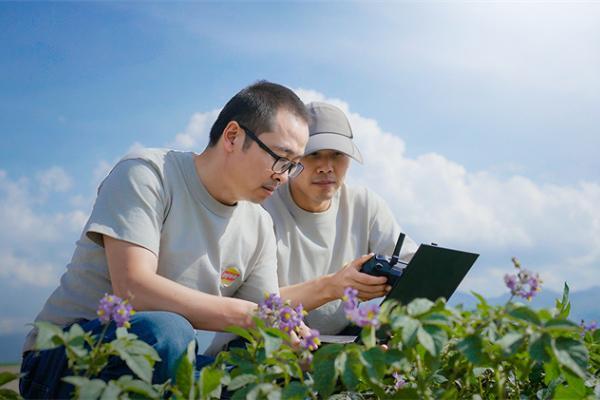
<point>168,333</point>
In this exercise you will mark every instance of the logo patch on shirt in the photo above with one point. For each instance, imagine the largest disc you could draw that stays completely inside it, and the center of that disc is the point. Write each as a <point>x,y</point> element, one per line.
<point>229,276</point>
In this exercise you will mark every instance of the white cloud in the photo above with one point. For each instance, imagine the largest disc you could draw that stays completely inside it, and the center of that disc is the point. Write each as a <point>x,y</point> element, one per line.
<point>33,241</point>
<point>22,270</point>
<point>557,228</point>
<point>14,325</point>
<point>195,135</point>
<point>54,179</point>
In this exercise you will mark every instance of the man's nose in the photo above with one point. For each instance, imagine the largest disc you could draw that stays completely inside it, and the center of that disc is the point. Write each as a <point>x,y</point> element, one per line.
<point>326,165</point>
<point>281,177</point>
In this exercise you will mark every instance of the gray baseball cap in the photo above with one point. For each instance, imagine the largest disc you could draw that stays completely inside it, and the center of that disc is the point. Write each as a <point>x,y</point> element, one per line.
<point>330,130</point>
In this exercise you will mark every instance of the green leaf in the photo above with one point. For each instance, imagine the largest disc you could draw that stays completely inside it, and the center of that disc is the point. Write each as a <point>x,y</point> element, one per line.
<point>563,307</point>
<point>6,377</point>
<point>374,362</point>
<point>111,392</point>
<point>139,365</point>
<point>295,391</point>
<point>552,371</point>
<point>272,343</point>
<point>482,301</point>
<point>561,325</point>
<point>437,319</point>
<point>325,374</point>
<point>575,388</point>
<point>138,356</point>
<point>75,336</point>
<point>271,391</point>
<point>471,347</point>
<point>571,354</point>
<point>426,341</point>
<point>350,369</point>
<point>540,348</point>
<point>510,342</point>
<point>49,336</point>
<point>419,307</point>
<point>139,387</point>
<point>409,328</point>
<point>210,382</point>
<point>407,393</point>
<point>525,314</point>
<point>241,380</point>
<point>241,332</point>
<point>184,376</point>
<point>7,394</point>
<point>432,338</point>
<point>93,390</point>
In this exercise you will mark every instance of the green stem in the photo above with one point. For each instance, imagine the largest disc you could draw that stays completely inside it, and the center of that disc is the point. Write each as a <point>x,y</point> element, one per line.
<point>89,372</point>
<point>499,384</point>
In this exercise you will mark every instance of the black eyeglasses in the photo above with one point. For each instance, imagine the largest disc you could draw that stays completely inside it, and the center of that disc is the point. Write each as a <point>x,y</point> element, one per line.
<point>281,164</point>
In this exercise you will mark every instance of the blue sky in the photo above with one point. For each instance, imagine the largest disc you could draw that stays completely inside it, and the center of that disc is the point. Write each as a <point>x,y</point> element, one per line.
<point>479,120</point>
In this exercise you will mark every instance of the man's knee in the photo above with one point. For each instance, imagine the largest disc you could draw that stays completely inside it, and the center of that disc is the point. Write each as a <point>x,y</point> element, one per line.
<point>168,333</point>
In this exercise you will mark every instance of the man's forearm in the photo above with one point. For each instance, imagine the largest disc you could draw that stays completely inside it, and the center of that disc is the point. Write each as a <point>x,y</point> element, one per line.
<point>204,311</point>
<point>311,294</point>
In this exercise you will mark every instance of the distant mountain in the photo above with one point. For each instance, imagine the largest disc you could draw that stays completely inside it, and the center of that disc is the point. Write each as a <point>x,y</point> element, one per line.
<point>585,304</point>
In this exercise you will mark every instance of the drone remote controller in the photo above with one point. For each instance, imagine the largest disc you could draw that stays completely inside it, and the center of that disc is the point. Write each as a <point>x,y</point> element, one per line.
<point>380,265</point>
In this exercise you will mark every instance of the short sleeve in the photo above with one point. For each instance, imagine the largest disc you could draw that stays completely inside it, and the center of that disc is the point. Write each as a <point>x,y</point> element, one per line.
<point>384,230</point>
<point>130,206</point>
<point>263,269</point>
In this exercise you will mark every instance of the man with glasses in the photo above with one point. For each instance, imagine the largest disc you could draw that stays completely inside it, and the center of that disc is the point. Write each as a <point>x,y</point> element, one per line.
<point>179,235</point>
<point>321,224</point>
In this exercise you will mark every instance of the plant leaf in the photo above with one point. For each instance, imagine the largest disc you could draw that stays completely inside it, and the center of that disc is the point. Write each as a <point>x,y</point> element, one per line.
<point>210,382</point>
<point>295,391</point>
<point>571,354</point>
<point>325,374</point>
<point>241,332</point>
<point>525,314</point>
<point>6,376</point>
<point>540,348</point>
<point>241,380</point>
<point>419,307</point>
<point>49,336</point>
<point>184,376</point>
<point>471,347</point>
<point>510,342</point>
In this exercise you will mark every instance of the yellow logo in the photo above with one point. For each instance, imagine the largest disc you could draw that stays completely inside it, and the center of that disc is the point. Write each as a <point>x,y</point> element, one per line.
<point>229,276</point>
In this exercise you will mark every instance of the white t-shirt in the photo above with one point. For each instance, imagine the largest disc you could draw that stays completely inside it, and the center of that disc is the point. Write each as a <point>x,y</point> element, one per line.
<point>310,245</point>
<point>154,198</point>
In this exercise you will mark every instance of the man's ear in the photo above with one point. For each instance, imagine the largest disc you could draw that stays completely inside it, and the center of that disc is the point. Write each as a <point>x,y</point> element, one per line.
<point>231,135</point>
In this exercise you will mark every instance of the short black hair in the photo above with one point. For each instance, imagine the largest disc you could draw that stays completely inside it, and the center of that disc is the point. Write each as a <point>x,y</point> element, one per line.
<point>255,107</point>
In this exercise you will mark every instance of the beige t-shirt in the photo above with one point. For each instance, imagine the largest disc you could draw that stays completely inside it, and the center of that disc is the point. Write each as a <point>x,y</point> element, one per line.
<point>154,198</point>
<point>310,245</point>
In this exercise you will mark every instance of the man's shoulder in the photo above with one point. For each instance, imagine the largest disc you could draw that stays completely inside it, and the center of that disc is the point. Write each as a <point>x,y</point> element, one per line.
<point>357,194</point>
<point>155,156</point>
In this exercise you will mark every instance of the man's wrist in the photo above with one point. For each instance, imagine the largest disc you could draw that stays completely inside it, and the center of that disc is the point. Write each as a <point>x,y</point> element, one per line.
<point>328,288</point>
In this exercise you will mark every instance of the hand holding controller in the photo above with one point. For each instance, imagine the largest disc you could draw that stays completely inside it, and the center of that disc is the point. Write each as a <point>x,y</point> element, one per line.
<point>380,265</point>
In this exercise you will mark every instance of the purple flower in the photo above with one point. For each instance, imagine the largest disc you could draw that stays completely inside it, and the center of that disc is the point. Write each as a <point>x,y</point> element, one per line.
<point>400,382</point>
<point>114,308</point>
<point>589,327</point>
<point>289,320</point>
<point>277,314</point>
<point>311,342</point>
<point>350,299</point>
<point>361,316</point>
<point>524,284</point>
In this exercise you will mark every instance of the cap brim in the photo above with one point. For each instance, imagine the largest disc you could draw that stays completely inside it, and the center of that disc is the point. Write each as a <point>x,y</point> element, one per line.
<point>333,141</point>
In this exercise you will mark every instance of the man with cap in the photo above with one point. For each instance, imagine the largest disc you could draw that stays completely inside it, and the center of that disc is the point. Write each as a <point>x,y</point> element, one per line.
<point>321,224</point>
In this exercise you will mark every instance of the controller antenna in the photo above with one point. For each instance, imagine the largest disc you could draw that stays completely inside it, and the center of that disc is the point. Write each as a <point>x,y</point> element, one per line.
<point>396,254</point>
